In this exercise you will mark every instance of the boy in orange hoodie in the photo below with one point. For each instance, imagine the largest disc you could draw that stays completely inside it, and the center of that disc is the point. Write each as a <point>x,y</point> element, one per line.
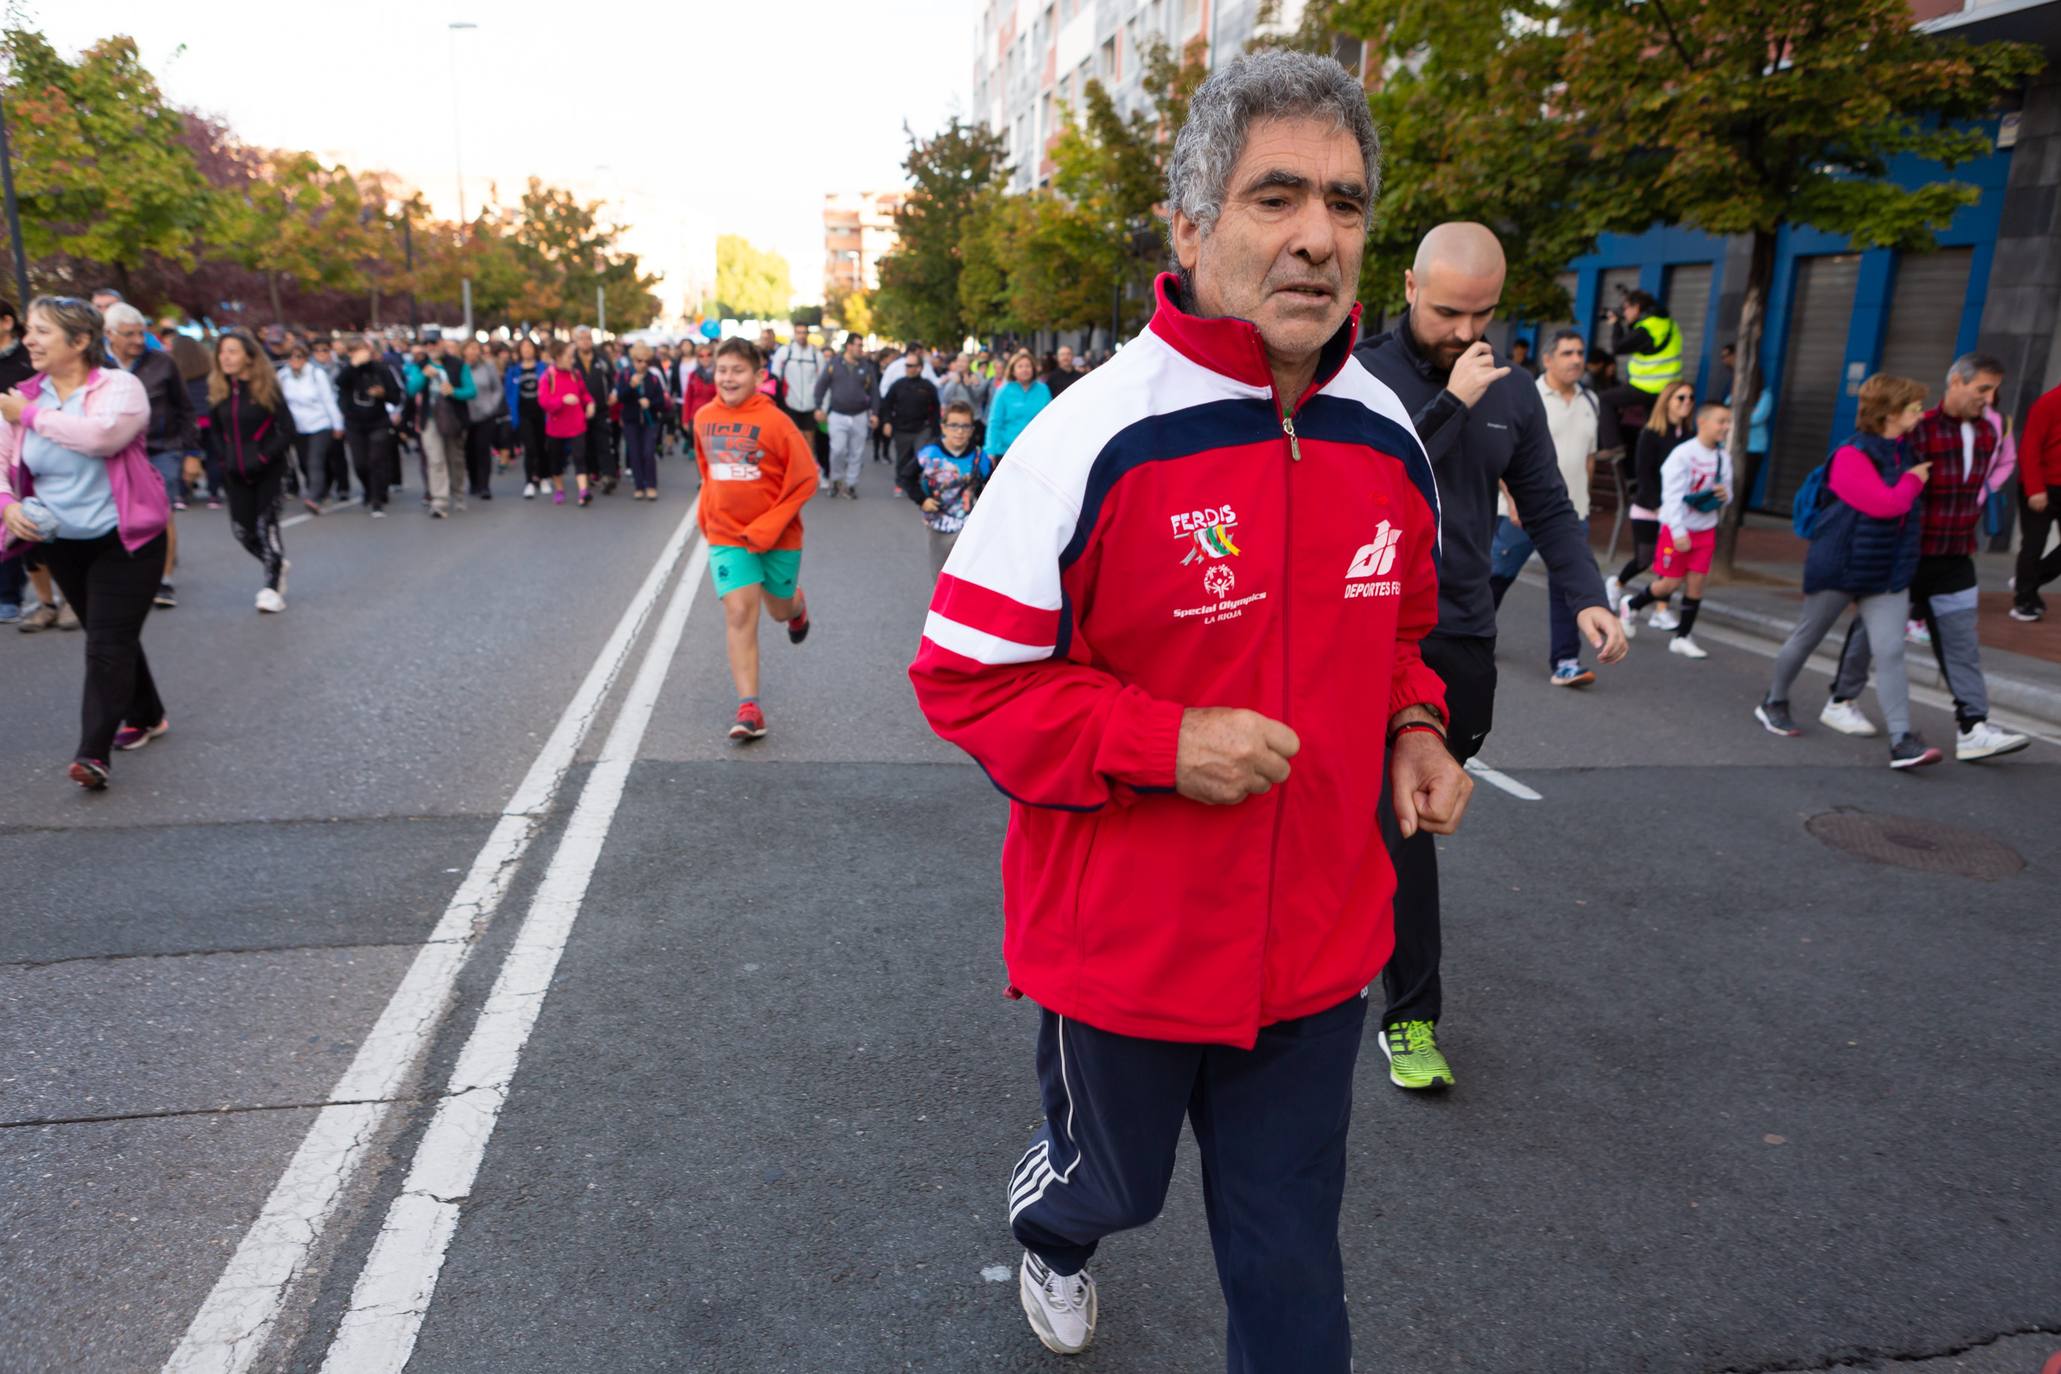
<point>757,472</point>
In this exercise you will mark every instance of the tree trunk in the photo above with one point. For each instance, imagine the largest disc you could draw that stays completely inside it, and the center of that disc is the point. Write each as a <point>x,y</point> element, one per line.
<point>272,286</point>
<point>1746,388</point>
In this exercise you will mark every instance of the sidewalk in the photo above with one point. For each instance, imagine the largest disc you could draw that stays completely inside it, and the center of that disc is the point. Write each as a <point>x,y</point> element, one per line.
<point>2022,662</point>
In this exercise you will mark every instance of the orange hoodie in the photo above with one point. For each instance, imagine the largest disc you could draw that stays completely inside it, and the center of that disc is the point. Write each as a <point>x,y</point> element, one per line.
<point>757,472</point>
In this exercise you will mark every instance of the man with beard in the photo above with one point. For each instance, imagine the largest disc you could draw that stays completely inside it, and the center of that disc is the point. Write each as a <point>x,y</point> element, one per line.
<point>1482,425</point>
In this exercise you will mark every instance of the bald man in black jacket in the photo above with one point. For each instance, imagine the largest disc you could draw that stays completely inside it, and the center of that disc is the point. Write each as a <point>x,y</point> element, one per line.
<point>1482,425</point>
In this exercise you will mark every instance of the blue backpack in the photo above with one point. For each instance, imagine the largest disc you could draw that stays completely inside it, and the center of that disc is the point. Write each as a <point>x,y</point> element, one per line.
<point>1810,499</point>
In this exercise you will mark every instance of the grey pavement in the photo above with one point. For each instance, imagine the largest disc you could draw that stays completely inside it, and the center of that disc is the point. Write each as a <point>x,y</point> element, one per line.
<point>1728,1099</point>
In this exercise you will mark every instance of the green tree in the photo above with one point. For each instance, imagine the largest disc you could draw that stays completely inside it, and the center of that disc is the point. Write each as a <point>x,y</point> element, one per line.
<point>101,168</point>
<point>297,221</point>
<point>565,253</point>
<point>1108,169</point>
<point>1741,117</point>
<point>919,281</point>
<point>751,283</point>
<point>1471,130</point>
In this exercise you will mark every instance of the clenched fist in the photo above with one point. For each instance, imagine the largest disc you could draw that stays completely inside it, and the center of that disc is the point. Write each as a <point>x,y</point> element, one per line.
<point>1226,755</point>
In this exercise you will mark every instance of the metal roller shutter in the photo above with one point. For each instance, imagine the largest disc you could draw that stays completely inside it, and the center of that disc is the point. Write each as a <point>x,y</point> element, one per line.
<point>1607,300</point>
<point>1813,356</point>
<point>1688,300</point>
<point>1925,314</point>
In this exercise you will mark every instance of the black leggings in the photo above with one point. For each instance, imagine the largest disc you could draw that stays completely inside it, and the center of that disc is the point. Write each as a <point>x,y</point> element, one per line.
<point>254,519</point>
<point>562,452</point>
<point>110,590</point>
<point>479,457</point>
<point>373,454</point>
<point>1645,543</point>
<point>529,430</point>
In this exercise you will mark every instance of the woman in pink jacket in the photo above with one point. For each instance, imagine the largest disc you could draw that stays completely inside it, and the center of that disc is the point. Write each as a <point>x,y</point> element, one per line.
<point>563,396</point>
<point>74,479</point>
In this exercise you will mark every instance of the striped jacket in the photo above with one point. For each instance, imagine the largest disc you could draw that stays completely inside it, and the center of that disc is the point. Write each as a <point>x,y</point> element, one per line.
<point>1953,498</point>
<point>1161,538</point>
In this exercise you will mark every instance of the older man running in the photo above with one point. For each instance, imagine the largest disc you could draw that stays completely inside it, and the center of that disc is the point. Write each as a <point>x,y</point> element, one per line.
<point>1180,633</point>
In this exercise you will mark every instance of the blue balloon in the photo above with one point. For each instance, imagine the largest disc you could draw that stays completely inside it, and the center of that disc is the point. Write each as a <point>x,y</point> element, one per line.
<point>710,329</point>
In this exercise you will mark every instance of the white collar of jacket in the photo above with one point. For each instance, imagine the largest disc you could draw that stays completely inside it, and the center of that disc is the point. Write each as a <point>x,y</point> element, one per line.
<point>1233,348</point>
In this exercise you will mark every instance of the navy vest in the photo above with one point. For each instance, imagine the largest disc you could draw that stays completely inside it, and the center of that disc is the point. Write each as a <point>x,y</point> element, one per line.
<point>1852,552</point>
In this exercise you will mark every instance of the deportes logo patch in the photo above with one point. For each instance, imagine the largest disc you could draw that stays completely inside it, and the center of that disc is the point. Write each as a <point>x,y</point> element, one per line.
<point>1369,572</point>
<point>1378,558</point>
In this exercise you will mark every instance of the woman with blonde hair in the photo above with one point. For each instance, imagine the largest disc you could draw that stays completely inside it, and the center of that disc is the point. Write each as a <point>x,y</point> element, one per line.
<point>1670,424</point>
<point>1017,402</point>
<point>250,432</point>
<point>77,485</point>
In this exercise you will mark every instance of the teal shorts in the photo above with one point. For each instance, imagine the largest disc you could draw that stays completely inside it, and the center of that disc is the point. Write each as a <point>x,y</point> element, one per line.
<point>732,567</point>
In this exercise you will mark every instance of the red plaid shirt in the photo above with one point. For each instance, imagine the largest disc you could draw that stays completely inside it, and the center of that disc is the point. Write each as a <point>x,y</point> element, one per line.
<point>1953,500</point>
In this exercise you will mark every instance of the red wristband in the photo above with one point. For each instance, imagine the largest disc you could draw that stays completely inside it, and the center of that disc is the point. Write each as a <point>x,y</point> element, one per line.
<point>1406,727</point>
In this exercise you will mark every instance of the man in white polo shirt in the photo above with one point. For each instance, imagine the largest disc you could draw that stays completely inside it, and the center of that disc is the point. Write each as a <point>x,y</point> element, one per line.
<point>1571,415</point>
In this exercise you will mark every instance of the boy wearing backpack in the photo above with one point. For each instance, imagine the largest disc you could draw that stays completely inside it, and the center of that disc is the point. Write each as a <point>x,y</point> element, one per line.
<point>944,480</point>
<point>1864,538</point>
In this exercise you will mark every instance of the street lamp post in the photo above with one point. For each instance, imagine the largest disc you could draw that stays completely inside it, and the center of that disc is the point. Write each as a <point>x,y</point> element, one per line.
<point>458,156</point>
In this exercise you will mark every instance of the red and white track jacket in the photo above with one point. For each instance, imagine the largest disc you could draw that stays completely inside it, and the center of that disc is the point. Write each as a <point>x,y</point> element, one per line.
<point>1161,538</point>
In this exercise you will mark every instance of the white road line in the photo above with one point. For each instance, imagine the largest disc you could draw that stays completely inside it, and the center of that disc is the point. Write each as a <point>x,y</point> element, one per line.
<point>305,516</point>
<point>393,1292</point>
<point>1502,780</point>
<point>230,1330</point>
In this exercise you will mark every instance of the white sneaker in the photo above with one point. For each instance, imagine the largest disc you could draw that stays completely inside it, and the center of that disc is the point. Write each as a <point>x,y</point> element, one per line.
<point>1613,592</point>
<point>1984,741</point>
<point>1687,647</point>
<point>1847,719</point>
<point>271,601</point>
<point>529,491</point>
<point>1061,1308</point>
<point>1663,619</point>
<point>1627,618</point>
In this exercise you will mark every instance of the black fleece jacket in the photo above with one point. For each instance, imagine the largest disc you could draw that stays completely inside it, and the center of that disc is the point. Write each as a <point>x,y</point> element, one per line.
<point>1503,438</point>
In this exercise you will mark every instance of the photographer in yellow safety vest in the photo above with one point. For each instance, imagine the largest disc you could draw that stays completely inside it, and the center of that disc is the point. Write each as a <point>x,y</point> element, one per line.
<point>1649,345</point>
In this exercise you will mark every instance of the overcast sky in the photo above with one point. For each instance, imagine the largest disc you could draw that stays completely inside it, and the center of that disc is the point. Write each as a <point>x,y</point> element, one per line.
<point>696,119</point>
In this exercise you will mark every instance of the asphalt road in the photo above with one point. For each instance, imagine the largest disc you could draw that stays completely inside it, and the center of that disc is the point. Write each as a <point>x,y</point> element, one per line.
<point>1728,1099</point>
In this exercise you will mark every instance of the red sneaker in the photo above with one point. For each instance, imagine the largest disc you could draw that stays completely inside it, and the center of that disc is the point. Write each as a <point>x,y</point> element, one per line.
<point>750,722</point>
<point>90,774</point>
<point>798,628</point>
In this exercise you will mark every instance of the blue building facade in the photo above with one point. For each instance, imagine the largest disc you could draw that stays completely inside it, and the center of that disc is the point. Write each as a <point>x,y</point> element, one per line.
<point>1702,280</point>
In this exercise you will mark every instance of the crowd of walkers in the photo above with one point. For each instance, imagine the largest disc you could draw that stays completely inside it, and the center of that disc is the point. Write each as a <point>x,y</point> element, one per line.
<point>114,426</point>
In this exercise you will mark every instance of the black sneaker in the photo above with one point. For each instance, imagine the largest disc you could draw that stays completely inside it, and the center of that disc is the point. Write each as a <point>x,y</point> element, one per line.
<point>798,628</point>
<point>2027,613</point>
<point>1912,752</point>
<point>165,596</point>
<point>1775,716</point>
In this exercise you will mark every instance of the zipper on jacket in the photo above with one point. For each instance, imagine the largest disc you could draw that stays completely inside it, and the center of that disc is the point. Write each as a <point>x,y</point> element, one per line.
<point>1287,684</point>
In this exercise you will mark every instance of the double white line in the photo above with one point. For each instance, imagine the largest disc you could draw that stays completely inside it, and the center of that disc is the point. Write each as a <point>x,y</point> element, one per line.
<point>233,1324</point>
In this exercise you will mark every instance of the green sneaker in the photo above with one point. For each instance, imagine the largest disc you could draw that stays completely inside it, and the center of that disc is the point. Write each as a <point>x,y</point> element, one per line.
<point>1411,1048</point>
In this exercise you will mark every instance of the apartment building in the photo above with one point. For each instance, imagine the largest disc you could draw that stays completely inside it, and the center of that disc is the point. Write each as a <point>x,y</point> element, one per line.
<point>1034,58</point>
<point>858,231</point>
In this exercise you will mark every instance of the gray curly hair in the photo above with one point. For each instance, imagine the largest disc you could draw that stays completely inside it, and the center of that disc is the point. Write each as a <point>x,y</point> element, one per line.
<point>1274,83</point>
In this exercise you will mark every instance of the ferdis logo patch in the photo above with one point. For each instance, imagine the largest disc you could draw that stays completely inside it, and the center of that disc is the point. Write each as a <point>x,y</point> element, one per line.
<point>1206,534</point>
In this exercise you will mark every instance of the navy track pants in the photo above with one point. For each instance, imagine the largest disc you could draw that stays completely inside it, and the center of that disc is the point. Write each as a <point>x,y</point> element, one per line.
<point>1271,1123</point>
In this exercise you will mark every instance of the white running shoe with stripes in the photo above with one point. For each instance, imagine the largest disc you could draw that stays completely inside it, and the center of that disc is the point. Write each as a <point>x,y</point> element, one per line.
<point>1061,1307</point>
